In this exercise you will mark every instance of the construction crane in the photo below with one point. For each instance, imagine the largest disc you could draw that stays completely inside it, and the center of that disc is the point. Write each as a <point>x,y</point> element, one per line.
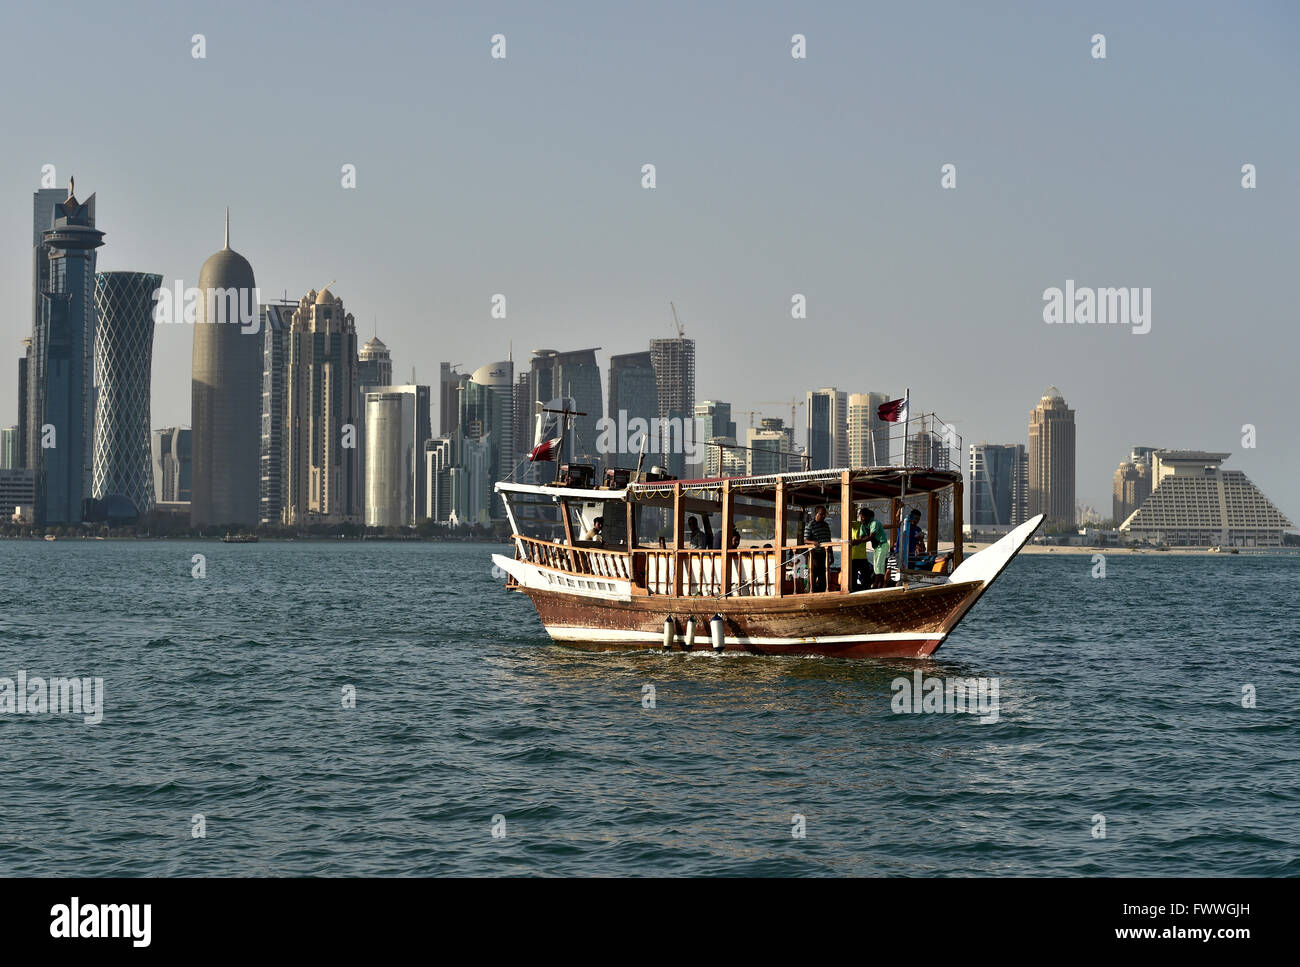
<point>751,413</point>
<point>793,404</point>
<point>681,330</point>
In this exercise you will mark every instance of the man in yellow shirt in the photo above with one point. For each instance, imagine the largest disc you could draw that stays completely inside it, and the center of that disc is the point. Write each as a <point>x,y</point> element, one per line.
<point>860,551</point>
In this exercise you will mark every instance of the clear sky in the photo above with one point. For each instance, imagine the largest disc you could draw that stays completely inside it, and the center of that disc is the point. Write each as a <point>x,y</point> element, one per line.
<point>775,176</point>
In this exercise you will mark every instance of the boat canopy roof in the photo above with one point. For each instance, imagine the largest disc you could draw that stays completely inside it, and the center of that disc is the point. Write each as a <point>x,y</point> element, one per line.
<point>807,487</point>
<point>803,487</point>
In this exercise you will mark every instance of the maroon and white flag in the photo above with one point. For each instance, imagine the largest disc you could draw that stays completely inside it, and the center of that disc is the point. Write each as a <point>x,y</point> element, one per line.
<point>895,411</point>
<point>545,451</point>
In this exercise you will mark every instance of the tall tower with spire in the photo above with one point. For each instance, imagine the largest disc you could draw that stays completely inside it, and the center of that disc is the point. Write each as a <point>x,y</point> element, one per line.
<point>61,383</point>
<point>226,393</point>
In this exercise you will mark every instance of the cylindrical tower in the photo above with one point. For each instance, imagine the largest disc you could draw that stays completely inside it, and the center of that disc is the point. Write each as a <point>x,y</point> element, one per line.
<point>227,393</point>
<point>123,356</point>
<point>390,438</point>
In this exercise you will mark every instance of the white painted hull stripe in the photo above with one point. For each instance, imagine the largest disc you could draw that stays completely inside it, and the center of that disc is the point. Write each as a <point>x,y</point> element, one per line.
<point>703,639</point>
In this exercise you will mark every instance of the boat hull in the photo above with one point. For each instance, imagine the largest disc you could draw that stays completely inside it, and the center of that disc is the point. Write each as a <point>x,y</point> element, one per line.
<point>894,623</point>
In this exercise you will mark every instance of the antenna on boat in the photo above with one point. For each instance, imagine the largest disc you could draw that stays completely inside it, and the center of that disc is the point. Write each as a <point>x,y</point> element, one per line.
<point>641,458</point>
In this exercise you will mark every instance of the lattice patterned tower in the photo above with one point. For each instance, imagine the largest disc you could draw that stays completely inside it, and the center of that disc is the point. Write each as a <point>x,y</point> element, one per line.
<point>123,356</point>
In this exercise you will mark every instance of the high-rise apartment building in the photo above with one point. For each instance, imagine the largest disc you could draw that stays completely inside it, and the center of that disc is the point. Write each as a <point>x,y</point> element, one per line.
<point>1132,484</point>
<point>1051,459</point>
<point>321,435</point>
<point>674,365</point>
<point>828,428</point>
<point>868,434</point>
<point>277,322</point>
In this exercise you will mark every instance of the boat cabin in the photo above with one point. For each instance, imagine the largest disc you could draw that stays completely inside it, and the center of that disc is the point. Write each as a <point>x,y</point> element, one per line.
<point>747,535</point>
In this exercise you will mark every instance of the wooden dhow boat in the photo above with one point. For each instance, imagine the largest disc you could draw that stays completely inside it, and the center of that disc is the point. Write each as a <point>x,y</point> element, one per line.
<point>642,584</point>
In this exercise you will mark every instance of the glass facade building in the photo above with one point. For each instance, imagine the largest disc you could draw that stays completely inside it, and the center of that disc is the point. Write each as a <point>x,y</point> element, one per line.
<point>61,380</point>
<point>276,320</point>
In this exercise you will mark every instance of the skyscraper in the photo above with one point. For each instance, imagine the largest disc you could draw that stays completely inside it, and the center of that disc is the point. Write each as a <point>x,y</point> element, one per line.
<point>868,434</point>
<point>321,466</point>
<point>999,484</point>
<point>449,384</point>
<point>173,464</point>
<point>391,457</point>
<point>277,321</point>
<point>439,463</point>
<point>226,398</point>
<point>793,455</point>
<point>9,448</point>
<point>633,395</point>
<point>47,203</point>
<point>763,455</point>
<point>124,302</point>
<point>1051,459</point>
<point>499,377</point>
<point>375,364</point>
<point>717,419</point>
<point>571,374</point>
<point>61,385</point>
<point>1132,484</point>
<point>674,365</point>
<point>400,415</point>
<point>828,428</point>
<point>24,361</point>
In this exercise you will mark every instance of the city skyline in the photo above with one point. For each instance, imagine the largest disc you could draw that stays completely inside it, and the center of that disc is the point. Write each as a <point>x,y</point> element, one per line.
<point>741,221</point>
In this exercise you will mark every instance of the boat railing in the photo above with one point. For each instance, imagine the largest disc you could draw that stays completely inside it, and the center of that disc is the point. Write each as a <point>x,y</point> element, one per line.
<point>736,572</point>
<point>595,561</point>
<point>748,571</point>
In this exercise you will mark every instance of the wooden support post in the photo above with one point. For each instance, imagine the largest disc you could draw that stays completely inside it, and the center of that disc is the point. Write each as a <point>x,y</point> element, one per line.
<point>957,524</point>
<point>727,511</point>
<point>779,542</point>
<point>932,542</point>
<point>679,527</point>
<point>568,527</point>
<point>846,524</point>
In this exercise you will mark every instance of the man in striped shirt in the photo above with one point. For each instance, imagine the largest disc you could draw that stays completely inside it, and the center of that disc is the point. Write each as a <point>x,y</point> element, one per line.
<point>818,532</point>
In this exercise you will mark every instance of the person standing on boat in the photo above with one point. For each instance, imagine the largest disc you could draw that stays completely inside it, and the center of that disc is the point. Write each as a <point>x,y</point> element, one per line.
<point>911,543</point>
<point>860,550</point>
<point>818,533</point>
<point>879,551</point>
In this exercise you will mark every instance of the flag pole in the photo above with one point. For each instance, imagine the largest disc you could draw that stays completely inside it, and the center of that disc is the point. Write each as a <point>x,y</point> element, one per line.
<point>907,423</point>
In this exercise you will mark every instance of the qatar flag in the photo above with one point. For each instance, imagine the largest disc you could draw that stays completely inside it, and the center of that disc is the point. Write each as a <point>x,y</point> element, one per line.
<point>895,411</point>
<point>545,451</point>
